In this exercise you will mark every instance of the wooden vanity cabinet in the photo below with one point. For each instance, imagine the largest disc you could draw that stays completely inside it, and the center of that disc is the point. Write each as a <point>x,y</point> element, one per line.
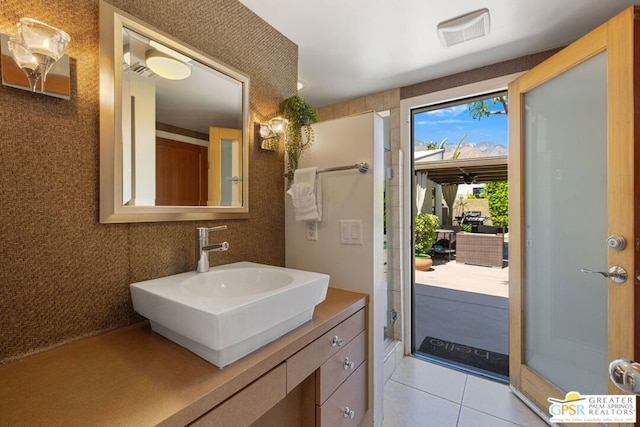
<point>250,403</point>
<point>341,385</point>
<point>309,359</point>
<point>333,370</point>
<point>347,406</point>
<point>339,367</point>
<point>133,376</point>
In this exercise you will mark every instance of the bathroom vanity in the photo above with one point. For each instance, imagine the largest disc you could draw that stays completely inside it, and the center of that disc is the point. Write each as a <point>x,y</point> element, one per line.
<point>315,375</point>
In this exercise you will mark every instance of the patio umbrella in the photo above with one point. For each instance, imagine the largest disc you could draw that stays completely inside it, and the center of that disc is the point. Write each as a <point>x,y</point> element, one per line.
<point>421,190</point>
<point>449,193</point>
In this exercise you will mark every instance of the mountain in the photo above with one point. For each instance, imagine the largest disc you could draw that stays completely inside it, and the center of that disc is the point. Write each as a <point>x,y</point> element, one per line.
<point>469,150</point>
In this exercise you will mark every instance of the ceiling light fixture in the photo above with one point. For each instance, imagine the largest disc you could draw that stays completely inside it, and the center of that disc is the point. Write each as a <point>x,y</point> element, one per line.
<point>468,178</point>
<point>167,66</point>
<point>171,52</point>
<point>465,27</point>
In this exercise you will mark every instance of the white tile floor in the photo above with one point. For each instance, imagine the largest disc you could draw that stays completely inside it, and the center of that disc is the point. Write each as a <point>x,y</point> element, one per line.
<point>423,394</point>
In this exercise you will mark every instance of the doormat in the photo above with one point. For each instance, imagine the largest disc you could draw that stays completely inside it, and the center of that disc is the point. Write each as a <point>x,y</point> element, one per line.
<point>497,363</point>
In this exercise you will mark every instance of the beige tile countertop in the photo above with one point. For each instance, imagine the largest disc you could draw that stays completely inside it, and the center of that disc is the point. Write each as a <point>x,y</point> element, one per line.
<point>134,377</point>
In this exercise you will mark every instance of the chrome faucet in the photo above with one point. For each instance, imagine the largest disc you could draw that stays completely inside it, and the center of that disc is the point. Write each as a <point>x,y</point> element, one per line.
<point>203,247</point>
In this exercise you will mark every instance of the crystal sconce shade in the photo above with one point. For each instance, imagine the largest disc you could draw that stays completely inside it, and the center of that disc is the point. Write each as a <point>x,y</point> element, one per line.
<point>274,128</point>
<point>278,125</point>
<point>25,60</point>
<point>271,132</point>
<point>37,48</point>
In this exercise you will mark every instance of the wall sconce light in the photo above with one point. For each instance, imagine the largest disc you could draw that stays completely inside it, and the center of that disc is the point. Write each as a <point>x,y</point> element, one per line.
<point>35,51</point>
<point>271,132</point>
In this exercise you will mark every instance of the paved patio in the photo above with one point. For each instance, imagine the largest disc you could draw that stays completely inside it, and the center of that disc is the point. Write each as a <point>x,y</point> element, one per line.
<point>463,277</point>
<point>464,304</point>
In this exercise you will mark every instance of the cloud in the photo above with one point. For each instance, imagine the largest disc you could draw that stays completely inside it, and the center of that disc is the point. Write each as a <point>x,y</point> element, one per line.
<point>448,112</point>
<point>451,122</point>
<point>442,122</point>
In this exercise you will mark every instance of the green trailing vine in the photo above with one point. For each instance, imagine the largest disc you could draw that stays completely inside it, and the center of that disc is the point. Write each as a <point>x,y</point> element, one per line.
<point>299,135</point>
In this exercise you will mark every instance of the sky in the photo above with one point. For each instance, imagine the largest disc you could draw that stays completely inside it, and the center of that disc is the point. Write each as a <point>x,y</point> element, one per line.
<point>454,122</point>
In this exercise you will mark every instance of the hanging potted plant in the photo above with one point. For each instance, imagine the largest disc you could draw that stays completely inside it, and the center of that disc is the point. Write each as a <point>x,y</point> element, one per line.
<point>299,115</point>
<point>425,236</point>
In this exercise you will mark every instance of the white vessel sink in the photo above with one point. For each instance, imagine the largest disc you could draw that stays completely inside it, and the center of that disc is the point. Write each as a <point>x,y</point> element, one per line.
<point>230,311</point>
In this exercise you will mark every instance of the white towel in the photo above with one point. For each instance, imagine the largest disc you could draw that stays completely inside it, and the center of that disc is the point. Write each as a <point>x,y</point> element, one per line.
<point>306,195</point>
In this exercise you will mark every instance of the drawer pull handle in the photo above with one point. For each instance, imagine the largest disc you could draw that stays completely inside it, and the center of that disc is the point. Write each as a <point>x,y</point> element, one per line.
<point>348,364</point>
<point>336,341</point>
<point>348,413</point>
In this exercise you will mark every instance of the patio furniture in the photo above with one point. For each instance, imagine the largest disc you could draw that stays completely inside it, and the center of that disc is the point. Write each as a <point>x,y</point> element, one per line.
<point>480,249</point>
<point>448,236</point>
<point>489,229</point>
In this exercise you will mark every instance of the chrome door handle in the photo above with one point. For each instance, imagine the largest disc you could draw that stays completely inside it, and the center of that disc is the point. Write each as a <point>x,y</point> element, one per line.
<point>615,273</point>
<point>625,374</point>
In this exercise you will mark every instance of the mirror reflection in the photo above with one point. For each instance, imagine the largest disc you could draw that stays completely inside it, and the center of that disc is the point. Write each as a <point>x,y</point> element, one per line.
<point>181,128</point>
<point>173,127</point>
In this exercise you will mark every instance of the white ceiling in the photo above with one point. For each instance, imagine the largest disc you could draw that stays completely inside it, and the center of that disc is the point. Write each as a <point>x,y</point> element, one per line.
<point>352,48</point>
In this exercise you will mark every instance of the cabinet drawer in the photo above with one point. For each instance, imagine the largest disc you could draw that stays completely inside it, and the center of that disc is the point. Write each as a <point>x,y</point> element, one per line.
<point>250,403</point>
<point>306,361</point>
<point>339,367</point>
<point>350,400</point>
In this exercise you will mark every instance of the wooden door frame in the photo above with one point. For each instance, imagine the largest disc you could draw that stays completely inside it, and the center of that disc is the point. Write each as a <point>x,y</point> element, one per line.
<point>617,38</point>
<point>216,135</point>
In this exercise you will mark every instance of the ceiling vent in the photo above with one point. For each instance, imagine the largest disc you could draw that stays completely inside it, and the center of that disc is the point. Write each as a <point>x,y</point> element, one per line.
<point>466,27</point>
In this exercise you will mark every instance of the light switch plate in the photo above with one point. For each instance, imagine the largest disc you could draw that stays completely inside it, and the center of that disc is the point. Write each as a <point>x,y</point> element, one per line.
<point>351,232</point>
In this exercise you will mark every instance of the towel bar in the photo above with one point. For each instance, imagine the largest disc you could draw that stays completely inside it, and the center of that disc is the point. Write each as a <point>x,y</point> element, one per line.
<point>362,167</point>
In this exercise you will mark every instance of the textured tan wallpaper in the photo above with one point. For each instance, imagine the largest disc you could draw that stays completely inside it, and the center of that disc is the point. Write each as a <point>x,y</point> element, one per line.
<point>504,68</point>
<point>64,276</point>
